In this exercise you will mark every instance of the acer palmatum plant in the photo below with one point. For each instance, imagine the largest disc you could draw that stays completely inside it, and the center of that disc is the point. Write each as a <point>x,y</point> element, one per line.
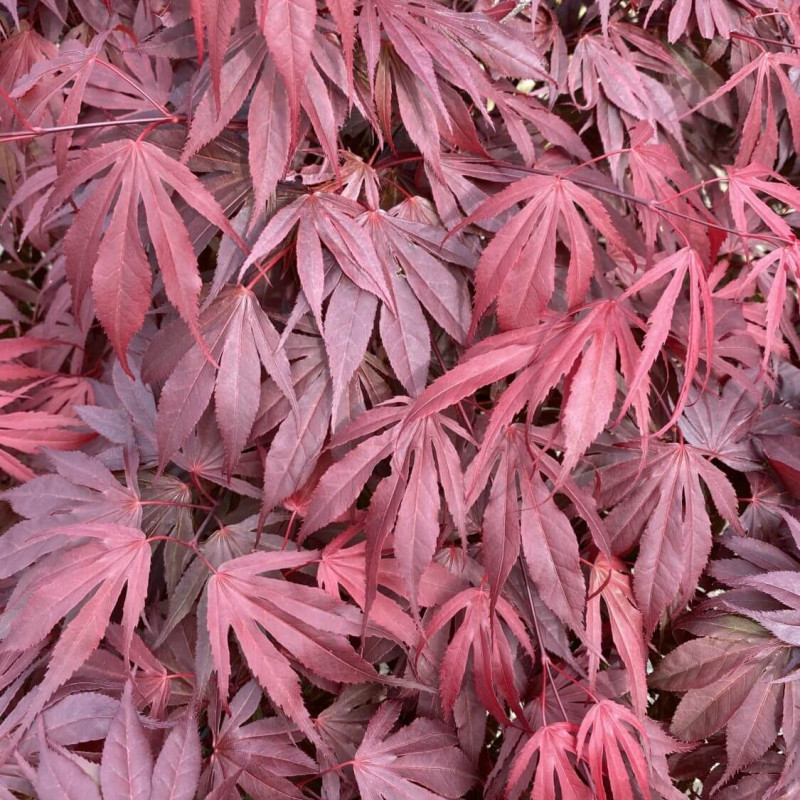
<point>400,400</point>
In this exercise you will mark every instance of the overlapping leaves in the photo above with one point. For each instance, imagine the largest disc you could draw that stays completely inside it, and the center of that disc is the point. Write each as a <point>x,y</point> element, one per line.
<point>400,400</point>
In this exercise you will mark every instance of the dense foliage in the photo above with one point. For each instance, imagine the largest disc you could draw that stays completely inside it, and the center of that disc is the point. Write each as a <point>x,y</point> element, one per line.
<point>400,399</point>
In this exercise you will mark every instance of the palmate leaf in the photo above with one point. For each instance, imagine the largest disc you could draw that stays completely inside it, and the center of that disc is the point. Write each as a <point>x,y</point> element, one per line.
<point>554,744</point>
<point>544,354</point>
<point>604,734</point>
<point>657,174</point>
<point>288,27</point>
<point>772,272</point>
<point>60,778</point>
<point>668,510</point>
<point>218,17</point>
<point>732,676</point>
<point>325,218</point>
<point>260,756</point>
<point>607,71</point>
<point>759,129</point>
<point>343,568</point>
<point>521,513</point>
<point>111,557</point>
<point>745,698</point>
<point>126,769</point>
<point>32,431</point>
<point>518,268</point>
<point>116,260</point>
<point>719,424</point>
<point>79,717</point>
<point>750,181</point>
<point>241,337</point>
<point>685,263</point>
<point>700,662</point>
<point>426,280</point>
<point>176,771</point>
<point>724,682</point>
<point>432,49</point>
<point>419,760</point>
<point>288,31</point>
<point>407,502</point>
<point>609,584</point>
<point>251,66</point>
<point>81,490</point>
<point>308,623</point>
<point>480,634</point>
<point>710,18</point>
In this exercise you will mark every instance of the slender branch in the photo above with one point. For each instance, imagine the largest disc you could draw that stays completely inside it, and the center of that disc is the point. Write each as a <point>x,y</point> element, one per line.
<point>655,205</point>
<point>34,132</point>
<point>623,195</point>
<point>765,237</point>
<point>203,492</point>
<point>397,186</point>
<point>761,40</point>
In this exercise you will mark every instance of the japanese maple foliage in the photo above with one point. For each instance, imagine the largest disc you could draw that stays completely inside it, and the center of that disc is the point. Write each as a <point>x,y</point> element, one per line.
<point>400,399</point>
